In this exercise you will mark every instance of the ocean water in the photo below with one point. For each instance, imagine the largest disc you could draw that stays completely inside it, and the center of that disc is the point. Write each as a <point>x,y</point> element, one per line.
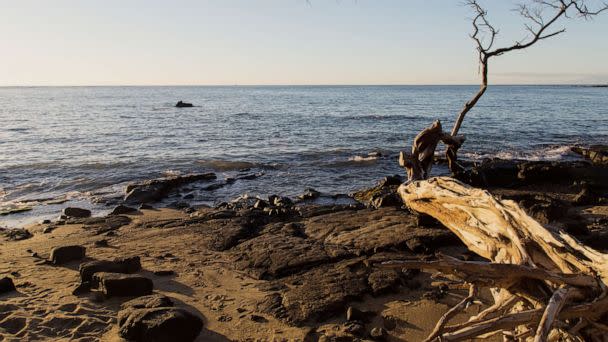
<point>84,144</point>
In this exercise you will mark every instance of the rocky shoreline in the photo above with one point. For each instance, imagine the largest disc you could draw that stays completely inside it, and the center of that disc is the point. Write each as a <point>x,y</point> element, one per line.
<point>267,269</point>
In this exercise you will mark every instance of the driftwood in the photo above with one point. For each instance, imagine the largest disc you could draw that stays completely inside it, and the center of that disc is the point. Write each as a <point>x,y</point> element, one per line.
<point>546,285</point>
<point>419,163</point>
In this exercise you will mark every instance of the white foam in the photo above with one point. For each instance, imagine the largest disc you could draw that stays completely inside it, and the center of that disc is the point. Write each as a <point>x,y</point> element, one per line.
<point>551,153</point>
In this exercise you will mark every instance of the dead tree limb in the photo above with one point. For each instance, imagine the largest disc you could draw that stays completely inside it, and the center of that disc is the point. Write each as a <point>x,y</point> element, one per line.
<point>542,279</point>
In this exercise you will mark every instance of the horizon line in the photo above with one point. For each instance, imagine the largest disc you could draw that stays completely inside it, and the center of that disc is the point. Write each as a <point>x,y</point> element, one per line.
<point>298,85</point>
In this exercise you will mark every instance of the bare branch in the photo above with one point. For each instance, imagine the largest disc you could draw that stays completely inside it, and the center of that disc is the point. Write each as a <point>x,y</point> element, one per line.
<point>537,28</point>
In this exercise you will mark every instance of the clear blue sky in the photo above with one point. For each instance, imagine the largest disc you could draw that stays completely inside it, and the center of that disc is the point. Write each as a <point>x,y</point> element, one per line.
<point>133,42</point>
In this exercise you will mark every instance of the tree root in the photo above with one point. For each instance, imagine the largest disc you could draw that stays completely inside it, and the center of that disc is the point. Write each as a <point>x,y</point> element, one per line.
<point>545,283</point>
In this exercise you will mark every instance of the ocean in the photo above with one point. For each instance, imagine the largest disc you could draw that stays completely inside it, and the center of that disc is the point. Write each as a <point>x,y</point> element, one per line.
<point>82,145</point>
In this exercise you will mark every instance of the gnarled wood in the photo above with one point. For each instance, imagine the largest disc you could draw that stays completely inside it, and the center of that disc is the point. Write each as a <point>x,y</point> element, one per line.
<point>539,276</point>
<point>419,163</point>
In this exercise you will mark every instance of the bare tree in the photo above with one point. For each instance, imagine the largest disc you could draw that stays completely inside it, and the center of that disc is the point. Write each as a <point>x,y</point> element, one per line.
<point>541,16</point>
<point>546,285</point>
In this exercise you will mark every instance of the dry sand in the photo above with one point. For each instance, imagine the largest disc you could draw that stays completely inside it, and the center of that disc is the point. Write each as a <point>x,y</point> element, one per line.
<point>44,308</point>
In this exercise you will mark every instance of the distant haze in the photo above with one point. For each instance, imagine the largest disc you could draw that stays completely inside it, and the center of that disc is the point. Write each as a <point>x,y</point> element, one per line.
<point>228,42</point>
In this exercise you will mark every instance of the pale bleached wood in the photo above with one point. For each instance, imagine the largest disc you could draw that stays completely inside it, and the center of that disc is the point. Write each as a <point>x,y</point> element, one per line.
<point>555,305</point>
<point>541,278</point>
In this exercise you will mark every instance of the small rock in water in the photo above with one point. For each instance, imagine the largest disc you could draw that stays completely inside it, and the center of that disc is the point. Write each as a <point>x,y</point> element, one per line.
<point>47,221</point>
<point>156,189</point>
<point>63,254</point>
<point>6,285</point>
<point>123,209</point>
<point>182,104</point>
<point>76,212</point>
<point>309,193</point>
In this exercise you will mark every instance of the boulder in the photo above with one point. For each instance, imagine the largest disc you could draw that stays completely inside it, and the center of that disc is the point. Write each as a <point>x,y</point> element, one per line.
<point>153,190</point>
<point>384,194</point>
<point>76,212</point>
<point>6,285</point>
<point>319,293</point>
<point>154,318</point>
<point>275,255</point>
<point>223,234</point>
<point>147,302</point>
<point>390,199</point>
<point>123,209</point>
<point>119,265</point>
<point>585,197</point>
<point>597,154</point>
<point>122,285</point>
<point>391,180</point>
<point>62,254</point>
<point>159,324</point>
<point>494,173</point>
<point>543,208</point>
<point>366,231</point>
<point>182,104</point>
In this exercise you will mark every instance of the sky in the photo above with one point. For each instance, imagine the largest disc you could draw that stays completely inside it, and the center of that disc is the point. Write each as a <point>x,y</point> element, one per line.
<point>268,42</point>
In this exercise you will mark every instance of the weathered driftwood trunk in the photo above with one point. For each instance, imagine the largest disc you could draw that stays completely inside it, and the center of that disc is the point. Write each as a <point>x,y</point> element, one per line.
<point>546,285</point>
<point>419,163</point>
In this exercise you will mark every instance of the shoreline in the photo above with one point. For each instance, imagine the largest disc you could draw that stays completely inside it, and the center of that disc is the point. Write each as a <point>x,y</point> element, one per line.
<point>278,270</point>
<point>18,213</point>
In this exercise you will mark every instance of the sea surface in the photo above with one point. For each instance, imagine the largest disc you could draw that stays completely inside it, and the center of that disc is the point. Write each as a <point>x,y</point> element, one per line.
<point>82,145</point>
